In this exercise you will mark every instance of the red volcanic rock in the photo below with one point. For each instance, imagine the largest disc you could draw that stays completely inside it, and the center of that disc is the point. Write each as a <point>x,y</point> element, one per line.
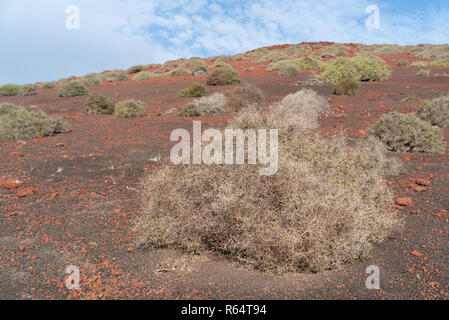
<point>416,253</point>
<point>26,192</point>
<point>404,202</point>
<point>16,154</point>
<point>10,183</point>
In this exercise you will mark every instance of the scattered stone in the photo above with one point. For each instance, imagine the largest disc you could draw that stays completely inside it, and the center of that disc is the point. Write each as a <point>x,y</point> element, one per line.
<point>16,154</point>
<point>10,183</point>
<point>419,189</point>
<point>416,253</point>
<point>26,192</point>
<point>404,202</point>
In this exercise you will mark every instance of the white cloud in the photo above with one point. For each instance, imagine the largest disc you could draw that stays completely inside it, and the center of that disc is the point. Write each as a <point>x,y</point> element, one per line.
<point>120,33</point>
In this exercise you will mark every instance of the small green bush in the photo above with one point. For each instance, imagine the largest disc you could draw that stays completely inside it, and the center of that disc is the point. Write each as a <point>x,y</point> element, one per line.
<point>347,87</point>
<point>306,63</point>
<point>129,108</point>
<point>420,64</point>
<point>135,69</point>
<point>179,72</point>
<point>200,71</point>
<point>402,63</point>
<point>191,110</point>
<point>72,89</point>
<point>27,90</point>
<point>48,85</point>
<point>407,133</point>
<point>9,90</point>
<point>440,63</point>
<point>222,77</point>
<point>195,90</point>
<point>215,103</point>
<point>89,80</point>
<point>18,123</point>
<point>360,69</point>
<point>288,71</point>
<point>98,104</point>
<point>436,112</point>
<point>146,75</point>
<point>113,76</point>
<point>423,73</point>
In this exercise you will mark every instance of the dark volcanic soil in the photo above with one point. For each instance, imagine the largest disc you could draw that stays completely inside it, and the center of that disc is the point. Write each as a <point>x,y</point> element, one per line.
<point>86,185</point>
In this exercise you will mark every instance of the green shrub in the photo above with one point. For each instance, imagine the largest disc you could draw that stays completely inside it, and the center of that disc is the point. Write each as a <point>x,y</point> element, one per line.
<point>325,206</point>
<point>98,104</point>
<point>222,77</point>
<point>72,89</point>
<point>193,63</point>
<point>180,72</point>
<point>191,110</point>
<point>27,90</point>
<point>113,76</point>
<point>423,73</point>
<point>420,64</point>
<point>48,85</point>
<point>9,90</point>
<point>129,108</point>
<point>18,123</point>
<point>215,103</point>
<point>440,63</point>
<point>347,87</point>
<point>402,63</point>
<point>200,71</point>
<point>288,71</point>
<point>146,75</point>
<point>195,90</point>
<point>407,133</point>
<point>436,112</point>
<point>306,63</point>
<point>135,69</point>
<point>360,69</point>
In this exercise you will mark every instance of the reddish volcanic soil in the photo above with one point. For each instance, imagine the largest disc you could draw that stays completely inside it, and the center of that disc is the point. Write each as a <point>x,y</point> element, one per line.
<point>79,192</point>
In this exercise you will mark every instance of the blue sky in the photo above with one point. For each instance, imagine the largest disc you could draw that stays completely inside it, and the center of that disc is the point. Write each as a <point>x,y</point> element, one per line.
<point>115,34</point>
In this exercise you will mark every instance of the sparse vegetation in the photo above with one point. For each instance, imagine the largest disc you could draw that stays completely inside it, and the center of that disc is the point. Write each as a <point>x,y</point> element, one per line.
<point>222,77</point>
<point>18,123</point>
<point>48,85</point>
<point>324,207</point>
<point>195,90</point>
<point>9,90</point>
<point>420,64</point>
<point>407,133</point>
<point>402,63</point>
<point>440,63</point>
<point>98,104</point>
<point>129,108</point>
<point>436,111</point>
<point>347,87</point>
<point>72,89</point>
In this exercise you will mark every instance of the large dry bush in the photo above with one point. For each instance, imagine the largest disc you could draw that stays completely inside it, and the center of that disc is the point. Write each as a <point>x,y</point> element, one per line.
<point>129,108</point>
<point>436,112</point>
<point>9,90</point>
<point>407,133</point>
<point>18,123</point>
<point>327,204</point>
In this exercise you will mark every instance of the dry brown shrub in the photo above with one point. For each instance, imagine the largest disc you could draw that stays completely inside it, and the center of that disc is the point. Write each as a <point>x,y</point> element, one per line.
<point>327,204</point>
